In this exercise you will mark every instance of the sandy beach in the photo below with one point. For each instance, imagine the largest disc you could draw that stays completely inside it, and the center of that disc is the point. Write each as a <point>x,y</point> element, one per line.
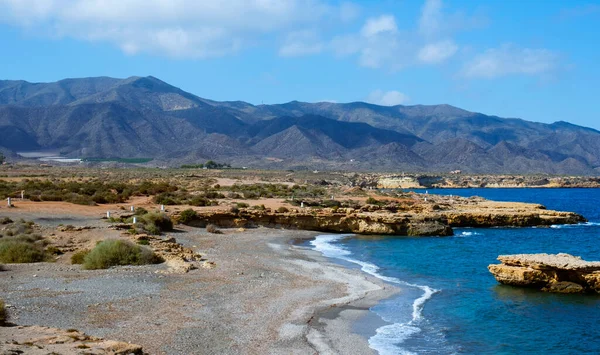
<point>266,295</point>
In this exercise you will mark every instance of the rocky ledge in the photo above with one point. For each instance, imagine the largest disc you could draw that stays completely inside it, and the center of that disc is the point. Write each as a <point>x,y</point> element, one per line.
<point>436,217</point>
<point>43,340</point>
<point>561,273</point>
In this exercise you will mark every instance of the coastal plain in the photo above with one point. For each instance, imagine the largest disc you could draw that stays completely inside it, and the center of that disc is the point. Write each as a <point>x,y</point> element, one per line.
<point>249,287</point>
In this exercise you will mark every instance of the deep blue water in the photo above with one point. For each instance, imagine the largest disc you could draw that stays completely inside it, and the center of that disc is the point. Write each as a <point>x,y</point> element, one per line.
<point>451,304</point>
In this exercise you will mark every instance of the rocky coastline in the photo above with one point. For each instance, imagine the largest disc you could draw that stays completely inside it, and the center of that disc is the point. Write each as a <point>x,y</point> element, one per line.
<point>436,216</point>
<point>559,273</point>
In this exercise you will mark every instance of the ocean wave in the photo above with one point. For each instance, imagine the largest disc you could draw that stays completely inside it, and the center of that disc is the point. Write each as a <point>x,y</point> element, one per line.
<point>388,337</point>
<point>586,224</point>
<point>467,234</point>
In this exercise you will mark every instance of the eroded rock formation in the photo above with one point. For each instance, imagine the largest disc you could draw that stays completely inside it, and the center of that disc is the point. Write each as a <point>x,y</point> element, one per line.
<point>562,273</point>
<point>44,340</point>
<point>427,219</point>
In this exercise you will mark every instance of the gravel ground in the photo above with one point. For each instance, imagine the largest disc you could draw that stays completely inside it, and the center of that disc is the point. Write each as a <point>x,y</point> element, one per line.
<point>264,297</point>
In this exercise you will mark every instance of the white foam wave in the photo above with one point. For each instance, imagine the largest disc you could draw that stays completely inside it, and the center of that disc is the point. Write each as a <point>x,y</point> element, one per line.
<point>467,234</point>
<point>586,224</point>
<point>387,338</point>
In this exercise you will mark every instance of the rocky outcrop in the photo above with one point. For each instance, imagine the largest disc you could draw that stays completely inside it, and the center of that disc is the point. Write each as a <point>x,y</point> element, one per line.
<point>561,273</point>
<point>412,181</point>
<point>420,220</point>
<point>43,340</point>
<point>329,221</point>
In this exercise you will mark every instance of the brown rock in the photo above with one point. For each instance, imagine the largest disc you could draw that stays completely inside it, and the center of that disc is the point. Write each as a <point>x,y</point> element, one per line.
<point>562,273</point>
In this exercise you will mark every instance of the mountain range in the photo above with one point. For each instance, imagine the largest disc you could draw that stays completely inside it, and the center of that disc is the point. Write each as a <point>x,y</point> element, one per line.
<point>144,117</point>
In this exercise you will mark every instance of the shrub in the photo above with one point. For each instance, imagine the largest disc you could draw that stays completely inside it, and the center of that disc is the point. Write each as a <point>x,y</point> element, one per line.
<point>211,228</point>
<point>140,211</point>
<point>52,250</point>
<point>14,250</point>
<point>3,314</point>
<point>116,252</point>
<point>372,201</point>
<point>79,256</point>
<point>156,223</point>
<point>143,242</point>
<point>242,205</point>
<point>259,207</point>
<point>282,209</point>
<point>187,216</point>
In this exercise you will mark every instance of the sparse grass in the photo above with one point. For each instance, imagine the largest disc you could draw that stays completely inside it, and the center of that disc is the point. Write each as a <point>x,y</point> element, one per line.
<point>78,257</point>
<point>116,252</point>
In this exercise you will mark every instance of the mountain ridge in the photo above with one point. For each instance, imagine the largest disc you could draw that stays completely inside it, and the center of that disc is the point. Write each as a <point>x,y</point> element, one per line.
<point>147,117</point>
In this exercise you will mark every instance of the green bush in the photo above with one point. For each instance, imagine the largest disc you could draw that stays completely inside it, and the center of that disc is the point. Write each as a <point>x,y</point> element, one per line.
<point>140,211</point>
<point>187,216</point>
<point>372,201</point>
<point>243,205</point>
<point>116,252</point>
<point>16,250</point>
<point>79,256</point>
<point>160,220</point>
<point>282,210</point>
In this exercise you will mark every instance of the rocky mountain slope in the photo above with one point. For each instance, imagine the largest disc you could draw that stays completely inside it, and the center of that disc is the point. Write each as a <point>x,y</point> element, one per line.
<point>144,117</point>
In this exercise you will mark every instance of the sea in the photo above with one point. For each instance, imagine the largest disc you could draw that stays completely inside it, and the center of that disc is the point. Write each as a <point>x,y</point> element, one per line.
<point>450,303</point>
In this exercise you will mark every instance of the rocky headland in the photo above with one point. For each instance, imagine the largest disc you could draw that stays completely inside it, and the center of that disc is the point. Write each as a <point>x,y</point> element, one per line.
<point>459,180</point>
<point>560,273</point>
<point>421,215</point>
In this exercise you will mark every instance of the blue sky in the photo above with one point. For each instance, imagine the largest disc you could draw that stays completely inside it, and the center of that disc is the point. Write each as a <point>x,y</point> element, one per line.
<point>536,60</point>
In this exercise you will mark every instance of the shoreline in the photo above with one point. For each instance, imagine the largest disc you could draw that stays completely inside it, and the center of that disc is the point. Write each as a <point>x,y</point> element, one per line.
<point>266,295</point>
<point>332,328</point>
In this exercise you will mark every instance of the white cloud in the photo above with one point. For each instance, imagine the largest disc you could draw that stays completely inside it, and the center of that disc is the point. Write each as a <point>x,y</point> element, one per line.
<point>379,25</point>
<point>175,28</point>
<point>387,98</point>
<point>379,44</point>
<point>431,18</point>
<point>509,59</point>
<point>301,43</point>
<point>437,52</point>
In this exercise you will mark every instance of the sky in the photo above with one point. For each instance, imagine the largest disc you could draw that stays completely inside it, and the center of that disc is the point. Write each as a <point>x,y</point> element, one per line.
<point>536,60</point>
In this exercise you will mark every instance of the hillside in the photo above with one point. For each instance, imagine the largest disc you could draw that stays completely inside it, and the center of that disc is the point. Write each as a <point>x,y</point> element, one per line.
<point>144,117</point>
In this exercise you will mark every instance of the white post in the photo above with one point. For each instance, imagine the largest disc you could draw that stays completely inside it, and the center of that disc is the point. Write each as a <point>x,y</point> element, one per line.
<point>134,220</point>
<point>425,199</point>
<point>132,208</point>
<point>23,195</point>
<point>162,208</point>
<point>332,197</point>
<point>9,203</point>
<point>107,214</point>
<point>301,204</point>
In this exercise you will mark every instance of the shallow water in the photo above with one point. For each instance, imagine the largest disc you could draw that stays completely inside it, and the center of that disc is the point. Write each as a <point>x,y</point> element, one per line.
<point>451,304</point>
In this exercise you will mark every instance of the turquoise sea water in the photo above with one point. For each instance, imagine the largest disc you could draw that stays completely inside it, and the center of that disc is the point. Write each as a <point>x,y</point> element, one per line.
<point>451,304</point>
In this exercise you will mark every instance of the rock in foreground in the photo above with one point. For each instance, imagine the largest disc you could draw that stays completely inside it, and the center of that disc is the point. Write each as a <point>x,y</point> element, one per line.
<point>44,340</point>
<point>561,273</point>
